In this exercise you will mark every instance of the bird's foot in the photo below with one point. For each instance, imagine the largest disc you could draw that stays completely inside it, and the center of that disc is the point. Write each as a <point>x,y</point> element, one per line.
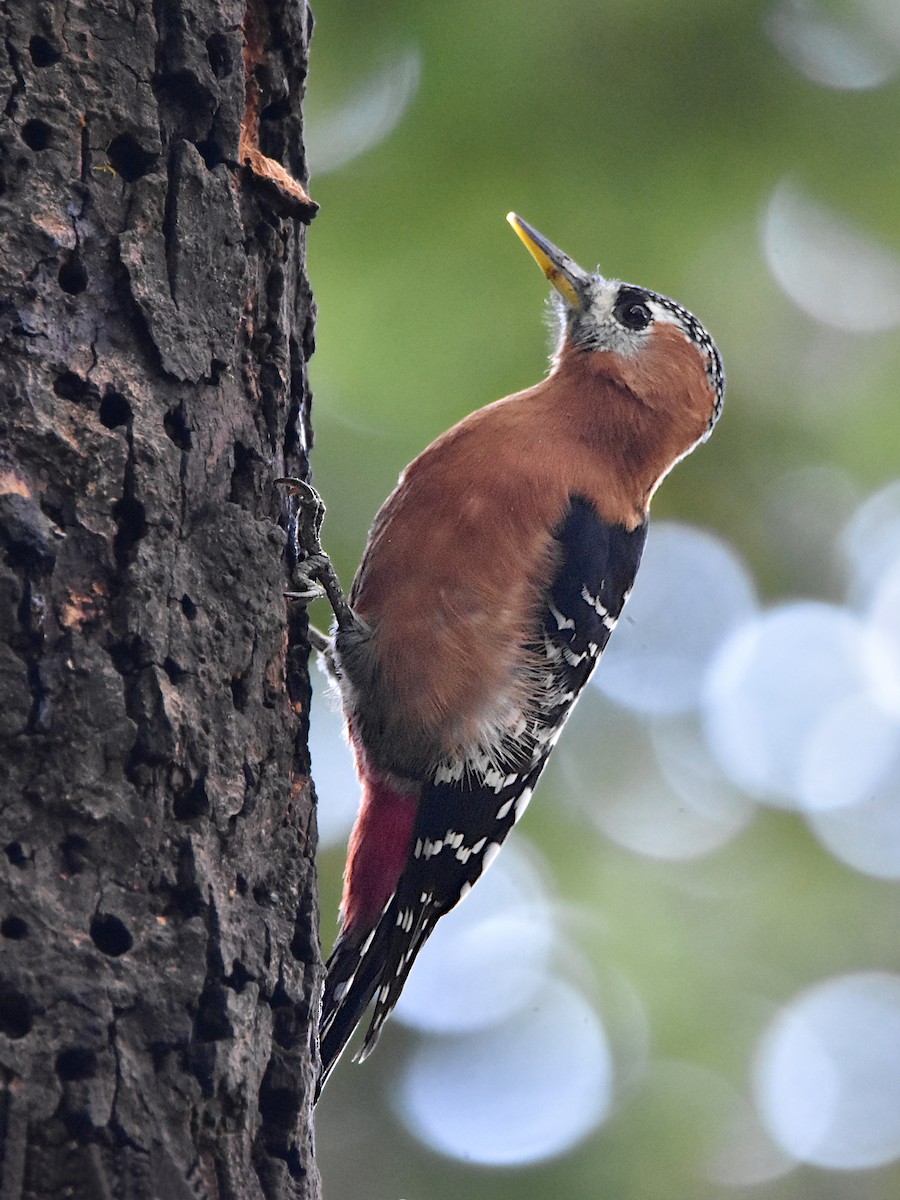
<point>304,578</point>
<point>309,515</point>
<point>314,575</point>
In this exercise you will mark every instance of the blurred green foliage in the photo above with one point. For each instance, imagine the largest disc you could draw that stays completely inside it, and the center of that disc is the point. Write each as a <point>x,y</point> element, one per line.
<point>647,138</point>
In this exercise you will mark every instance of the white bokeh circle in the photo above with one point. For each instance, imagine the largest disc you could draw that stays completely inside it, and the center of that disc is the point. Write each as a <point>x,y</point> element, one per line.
<point>487,957</point>
<point>827,1077</point>
<point>772,685</point>
<point>516,1093</point>
<point>692,590</point>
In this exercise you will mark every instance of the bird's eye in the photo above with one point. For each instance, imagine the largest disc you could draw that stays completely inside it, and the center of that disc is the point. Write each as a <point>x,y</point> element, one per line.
<point>633,314</point>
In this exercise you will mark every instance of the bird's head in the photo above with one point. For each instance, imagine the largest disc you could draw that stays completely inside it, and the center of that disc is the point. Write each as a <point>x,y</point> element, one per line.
<point>651,345</point>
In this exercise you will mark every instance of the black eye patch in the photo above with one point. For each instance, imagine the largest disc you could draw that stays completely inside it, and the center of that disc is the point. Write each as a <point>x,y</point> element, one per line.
<point>631,309</point>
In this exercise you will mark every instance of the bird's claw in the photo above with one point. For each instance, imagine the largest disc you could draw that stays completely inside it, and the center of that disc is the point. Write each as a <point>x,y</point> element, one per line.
<point>311,512</point>
<point>305,578</point>
<point>313,573</point>
<point>307,526</point>
<point>306,595</point>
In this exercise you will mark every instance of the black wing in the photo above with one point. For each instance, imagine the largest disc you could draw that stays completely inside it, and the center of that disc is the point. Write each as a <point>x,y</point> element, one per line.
<point>468,807</point>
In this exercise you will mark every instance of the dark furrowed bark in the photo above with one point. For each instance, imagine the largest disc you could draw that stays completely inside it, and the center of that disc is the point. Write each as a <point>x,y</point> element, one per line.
<point>159,958</point>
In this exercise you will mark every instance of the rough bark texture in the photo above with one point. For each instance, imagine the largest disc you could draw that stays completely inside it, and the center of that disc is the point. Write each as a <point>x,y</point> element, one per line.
<point>159,955</point>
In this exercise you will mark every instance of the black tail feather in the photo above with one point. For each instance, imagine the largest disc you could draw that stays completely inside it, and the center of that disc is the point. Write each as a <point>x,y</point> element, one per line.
<point>352,977</point>
<point>357,972</point>
<point>401,952</point>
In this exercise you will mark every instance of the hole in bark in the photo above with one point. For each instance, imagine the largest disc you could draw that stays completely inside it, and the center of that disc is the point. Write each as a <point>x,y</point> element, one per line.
<point>130,516</point>
<point>16,854</point>
<point>73,277</point>
<point>187,901</point>
<point>15,1013</point>
<point>277,110</point>
<point>131,655</point>
<point>243,475</point>
<point>280,1096</point>
<point>191,802</point>
<point>280,997</point>
<point>43,53</point>
<point>78,1062</point>
<point>219,52</point>
<point>303,943</point>
<point>177,427</point>
<point>174,671</point>
<point>182,89</point>
<point>74,854</point>
<point>239,692</point>
<point>128,158</point>
<point>36,134</point>
<point>69,386</point>
<point>240,882</point>
<point>114,409</point>
<point>110,935</point>
<point>78,1124</point>
<point>14,928</point>
<point>279,1106</point>
<point>239,977</point>
<point>188,607</point>
<point>294,1163</point>
<point>263,895</point>
<point>211,152</point>
<point>192,101</point>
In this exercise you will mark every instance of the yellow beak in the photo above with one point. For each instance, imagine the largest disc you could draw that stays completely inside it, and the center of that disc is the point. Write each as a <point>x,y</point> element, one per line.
<point>563,272</point>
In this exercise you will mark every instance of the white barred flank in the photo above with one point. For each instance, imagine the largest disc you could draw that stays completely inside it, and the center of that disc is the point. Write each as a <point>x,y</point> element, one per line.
<point>609,621</point>
<point>572,658</point>
<point>464,853</point>
<point>491,850</point>
<point>561,621</point>
<point>523,801</point>
<point>503,810</point>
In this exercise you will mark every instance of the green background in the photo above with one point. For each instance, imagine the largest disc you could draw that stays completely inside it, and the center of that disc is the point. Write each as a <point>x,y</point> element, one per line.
<point>647,137</point>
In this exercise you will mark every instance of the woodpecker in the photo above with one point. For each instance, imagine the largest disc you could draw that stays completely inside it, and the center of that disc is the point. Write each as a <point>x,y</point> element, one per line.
<point>493,577</point>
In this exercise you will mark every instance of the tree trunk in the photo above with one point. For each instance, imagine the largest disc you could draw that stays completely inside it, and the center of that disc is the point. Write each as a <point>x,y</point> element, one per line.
<point>159,959</point>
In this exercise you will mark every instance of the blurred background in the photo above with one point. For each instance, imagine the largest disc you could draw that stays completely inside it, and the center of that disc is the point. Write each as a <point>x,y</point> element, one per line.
<point>682,977</point>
